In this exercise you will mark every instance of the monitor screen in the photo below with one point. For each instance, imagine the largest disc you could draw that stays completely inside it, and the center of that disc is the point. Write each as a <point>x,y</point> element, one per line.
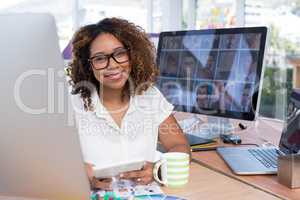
<point>215,72</point>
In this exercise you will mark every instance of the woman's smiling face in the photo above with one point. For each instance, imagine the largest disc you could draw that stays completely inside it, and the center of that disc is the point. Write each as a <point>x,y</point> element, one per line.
<point>111,71</point>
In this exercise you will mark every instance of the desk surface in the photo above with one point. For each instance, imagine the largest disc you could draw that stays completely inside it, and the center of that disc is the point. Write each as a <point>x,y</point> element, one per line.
<point>208,184</point>
<point>264,130</point>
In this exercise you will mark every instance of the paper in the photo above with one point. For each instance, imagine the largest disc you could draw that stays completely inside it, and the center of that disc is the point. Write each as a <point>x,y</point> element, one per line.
<point>126,189</point>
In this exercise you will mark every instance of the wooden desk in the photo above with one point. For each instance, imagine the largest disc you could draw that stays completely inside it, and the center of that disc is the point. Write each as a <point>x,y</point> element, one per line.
<point>264,130</point>
<point>207,184</point>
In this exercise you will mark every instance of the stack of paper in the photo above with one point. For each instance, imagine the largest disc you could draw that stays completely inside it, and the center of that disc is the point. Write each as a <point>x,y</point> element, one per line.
<point>202,147</point>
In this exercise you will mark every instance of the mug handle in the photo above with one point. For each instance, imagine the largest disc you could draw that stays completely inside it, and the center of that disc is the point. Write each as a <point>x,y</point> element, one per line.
<point>156,167</point>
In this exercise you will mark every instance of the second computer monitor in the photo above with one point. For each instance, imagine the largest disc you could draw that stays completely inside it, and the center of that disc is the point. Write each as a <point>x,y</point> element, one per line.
<point>215,72</point>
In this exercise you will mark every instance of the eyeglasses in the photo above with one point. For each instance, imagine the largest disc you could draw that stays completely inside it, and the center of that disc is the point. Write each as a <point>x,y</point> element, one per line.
<point>101,61</point>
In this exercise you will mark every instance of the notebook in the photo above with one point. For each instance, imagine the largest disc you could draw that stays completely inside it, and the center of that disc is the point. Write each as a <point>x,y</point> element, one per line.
<point>196,140</point>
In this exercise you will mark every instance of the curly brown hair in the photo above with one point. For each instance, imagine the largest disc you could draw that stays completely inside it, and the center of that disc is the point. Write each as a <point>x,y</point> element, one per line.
<point>141,53</point>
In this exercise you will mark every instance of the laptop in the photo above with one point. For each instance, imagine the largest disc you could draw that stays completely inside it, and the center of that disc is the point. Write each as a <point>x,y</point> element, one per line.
<point>260,160</point>
<point>39,148</point>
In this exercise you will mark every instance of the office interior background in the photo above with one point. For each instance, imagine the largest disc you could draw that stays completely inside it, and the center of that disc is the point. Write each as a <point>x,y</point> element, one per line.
<point>282,17</point>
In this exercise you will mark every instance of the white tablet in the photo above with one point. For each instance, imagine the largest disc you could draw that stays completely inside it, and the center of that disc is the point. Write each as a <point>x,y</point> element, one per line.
<point>115,170</point>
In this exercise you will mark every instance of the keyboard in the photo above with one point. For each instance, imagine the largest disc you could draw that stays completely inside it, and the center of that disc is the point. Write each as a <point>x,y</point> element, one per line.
<point>267,156</point>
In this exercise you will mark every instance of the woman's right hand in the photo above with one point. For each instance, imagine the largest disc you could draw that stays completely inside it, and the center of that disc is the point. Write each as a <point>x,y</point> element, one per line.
<point>103,184</point>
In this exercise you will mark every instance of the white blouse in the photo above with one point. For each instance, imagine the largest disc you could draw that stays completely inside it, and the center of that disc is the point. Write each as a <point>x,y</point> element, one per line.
<point>104,143</point>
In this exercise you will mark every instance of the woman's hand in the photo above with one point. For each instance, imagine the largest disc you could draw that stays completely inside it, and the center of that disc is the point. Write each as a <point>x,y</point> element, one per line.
<point>143,176</point>
<point>103,184</point>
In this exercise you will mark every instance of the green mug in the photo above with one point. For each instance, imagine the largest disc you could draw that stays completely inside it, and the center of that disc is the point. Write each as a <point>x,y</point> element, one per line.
<point>174,167</point>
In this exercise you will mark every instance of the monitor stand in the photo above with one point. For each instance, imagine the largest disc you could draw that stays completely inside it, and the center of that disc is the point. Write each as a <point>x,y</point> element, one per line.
<point>210,128</point>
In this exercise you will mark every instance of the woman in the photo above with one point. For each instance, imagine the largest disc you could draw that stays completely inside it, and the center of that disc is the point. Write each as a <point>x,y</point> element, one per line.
<point>120,114</point>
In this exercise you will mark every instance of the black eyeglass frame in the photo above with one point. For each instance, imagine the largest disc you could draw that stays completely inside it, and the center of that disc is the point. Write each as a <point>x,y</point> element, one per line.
<point>108,56</point>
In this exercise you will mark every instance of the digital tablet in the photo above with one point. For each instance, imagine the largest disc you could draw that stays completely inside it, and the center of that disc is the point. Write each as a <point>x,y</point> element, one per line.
<point>115,170</point>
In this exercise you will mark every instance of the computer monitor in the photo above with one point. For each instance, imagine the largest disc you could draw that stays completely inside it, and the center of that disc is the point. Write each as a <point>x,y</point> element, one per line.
<point>39,151</point>
<point>213,72</point>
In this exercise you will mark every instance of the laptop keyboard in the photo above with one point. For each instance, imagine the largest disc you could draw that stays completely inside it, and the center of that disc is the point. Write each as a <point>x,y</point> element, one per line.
<point>267,156</point>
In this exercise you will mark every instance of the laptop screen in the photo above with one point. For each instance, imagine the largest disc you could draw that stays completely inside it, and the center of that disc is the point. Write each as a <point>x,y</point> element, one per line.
<point>290,138</point>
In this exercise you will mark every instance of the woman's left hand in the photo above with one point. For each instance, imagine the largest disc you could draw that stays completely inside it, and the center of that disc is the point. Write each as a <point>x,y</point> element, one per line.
<point>143,176</point>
